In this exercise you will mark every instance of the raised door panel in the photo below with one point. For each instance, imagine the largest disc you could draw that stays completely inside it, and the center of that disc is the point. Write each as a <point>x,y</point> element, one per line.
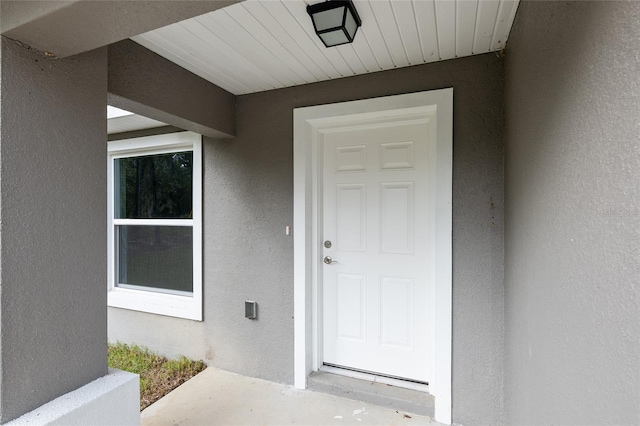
<point>397,155</point>
<point>351,158</point>
<point>396,217</point>
<point>396,312</point>
<point>351,217</point>
<point>351,306</point>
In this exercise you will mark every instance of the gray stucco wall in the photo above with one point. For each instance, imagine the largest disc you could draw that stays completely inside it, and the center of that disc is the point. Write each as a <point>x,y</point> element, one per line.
<point>53,245</point>
<point>572,245</point>
<point>248,201</point>
<point>185,100</point>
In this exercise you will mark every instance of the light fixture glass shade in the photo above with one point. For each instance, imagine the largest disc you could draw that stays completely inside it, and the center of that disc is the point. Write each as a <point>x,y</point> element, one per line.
<point>328,19</point>
<point>350,25</point>
<point>333,38</point>
<point>335,21</point>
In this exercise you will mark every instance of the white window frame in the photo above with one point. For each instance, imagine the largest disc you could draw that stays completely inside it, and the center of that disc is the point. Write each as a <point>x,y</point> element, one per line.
<point>181,306</point>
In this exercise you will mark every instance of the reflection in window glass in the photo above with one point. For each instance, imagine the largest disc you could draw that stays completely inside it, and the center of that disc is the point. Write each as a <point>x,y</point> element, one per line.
<point>156,256</point>
<point>154,186</point>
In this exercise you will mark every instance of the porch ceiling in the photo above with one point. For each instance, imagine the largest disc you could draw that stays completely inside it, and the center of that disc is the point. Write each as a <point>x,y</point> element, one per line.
<point>119,121</point>
<point>259,45</point>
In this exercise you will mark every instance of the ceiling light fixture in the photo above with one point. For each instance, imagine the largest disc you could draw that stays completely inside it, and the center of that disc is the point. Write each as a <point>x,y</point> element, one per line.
<point>335,21</point>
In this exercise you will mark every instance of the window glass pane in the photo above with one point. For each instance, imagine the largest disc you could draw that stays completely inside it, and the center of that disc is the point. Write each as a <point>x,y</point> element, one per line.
<point>160,257</point>
<point>154,186</point>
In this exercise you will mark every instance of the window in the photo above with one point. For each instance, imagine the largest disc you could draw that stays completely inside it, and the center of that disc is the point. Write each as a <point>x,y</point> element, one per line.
<point>155,221</point>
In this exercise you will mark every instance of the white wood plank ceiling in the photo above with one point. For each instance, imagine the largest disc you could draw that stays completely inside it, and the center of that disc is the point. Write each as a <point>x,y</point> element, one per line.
<point>259,45</point>
<point>119,120</point>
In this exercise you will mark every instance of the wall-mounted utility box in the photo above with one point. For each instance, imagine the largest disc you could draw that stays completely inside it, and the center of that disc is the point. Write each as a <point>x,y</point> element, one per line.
<point>250,309</point>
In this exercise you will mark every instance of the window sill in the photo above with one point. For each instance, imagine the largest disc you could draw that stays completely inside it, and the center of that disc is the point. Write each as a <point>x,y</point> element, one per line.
<point>186,307</point>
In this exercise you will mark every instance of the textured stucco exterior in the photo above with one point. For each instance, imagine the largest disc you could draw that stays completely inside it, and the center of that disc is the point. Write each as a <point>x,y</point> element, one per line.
<point>248,201</point>
<point>144,82</point>
<point>53,245</point>
<point>563,323</point>
<point>572,245</point>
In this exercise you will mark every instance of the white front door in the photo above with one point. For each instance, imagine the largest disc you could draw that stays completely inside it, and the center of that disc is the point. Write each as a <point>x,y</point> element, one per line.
<point>379,231</point>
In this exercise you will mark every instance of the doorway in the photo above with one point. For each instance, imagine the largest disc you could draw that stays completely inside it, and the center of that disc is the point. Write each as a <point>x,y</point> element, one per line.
<point>372,239</point>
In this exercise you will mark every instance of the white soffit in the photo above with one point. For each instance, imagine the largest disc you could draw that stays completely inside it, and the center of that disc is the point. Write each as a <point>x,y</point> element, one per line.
<point>259,45</point>
<point>119,120</point>
<point>113,112</point>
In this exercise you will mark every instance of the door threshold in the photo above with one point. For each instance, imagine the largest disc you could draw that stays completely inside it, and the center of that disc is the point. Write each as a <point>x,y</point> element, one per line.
<point>369,392</point>
<point>371,377</point>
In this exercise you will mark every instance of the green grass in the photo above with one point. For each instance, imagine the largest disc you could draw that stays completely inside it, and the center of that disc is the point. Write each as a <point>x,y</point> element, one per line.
<point>158,375</point>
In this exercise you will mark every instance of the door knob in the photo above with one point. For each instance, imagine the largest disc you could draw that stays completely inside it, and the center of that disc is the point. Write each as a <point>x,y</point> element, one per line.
<point>329,261</point>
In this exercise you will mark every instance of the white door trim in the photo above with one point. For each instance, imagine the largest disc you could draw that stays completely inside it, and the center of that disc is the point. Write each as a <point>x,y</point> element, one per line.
<point>307,121</point>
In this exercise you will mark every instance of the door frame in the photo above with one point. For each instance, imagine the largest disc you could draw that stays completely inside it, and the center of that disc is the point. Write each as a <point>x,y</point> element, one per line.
<point>308,122</point>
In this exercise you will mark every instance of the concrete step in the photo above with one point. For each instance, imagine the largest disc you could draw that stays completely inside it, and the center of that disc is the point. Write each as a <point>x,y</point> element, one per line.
<point>384,395</point>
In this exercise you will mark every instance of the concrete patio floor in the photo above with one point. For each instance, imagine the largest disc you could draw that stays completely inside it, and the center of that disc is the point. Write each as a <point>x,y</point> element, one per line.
<point>217,397</point>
